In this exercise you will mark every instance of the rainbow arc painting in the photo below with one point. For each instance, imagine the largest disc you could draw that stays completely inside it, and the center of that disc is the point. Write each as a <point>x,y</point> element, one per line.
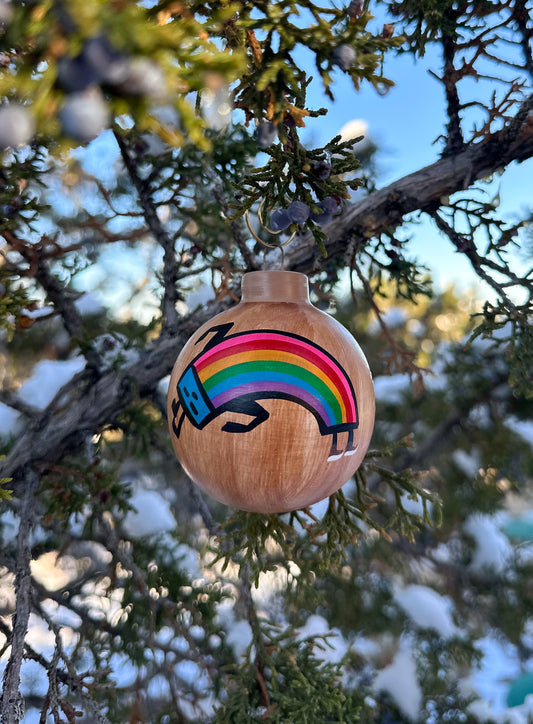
<point>233,372</point>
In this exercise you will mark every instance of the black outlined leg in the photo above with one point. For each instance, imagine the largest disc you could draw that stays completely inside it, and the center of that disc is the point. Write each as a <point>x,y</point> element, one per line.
<point>247,407</point>
<point>351,447</point>
<point>175,409</point>
<point>334,453</point>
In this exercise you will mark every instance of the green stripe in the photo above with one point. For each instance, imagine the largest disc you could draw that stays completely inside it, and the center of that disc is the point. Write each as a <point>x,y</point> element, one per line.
<point>277,366</point>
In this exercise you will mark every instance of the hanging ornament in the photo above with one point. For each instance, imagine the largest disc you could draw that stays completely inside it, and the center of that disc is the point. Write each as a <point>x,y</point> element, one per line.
<point>271,403</point>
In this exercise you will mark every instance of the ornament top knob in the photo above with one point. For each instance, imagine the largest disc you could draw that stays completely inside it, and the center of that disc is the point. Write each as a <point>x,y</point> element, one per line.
<point>275,286</point>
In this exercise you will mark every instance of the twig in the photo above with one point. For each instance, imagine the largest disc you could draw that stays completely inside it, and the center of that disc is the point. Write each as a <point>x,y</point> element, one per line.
<point>210,523</point>
<point>11,400</point>
<point>400,358</point>
<point>170,296</point>
<point>466,247</point>
<point>245,590</point>
<point>235,227</point>
<point>511,131</point>
<point>60,296</point>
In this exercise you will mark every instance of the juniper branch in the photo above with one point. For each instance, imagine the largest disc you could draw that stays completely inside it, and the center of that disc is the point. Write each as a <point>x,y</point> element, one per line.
<point>454,141</point>
<point>419,191</point>
<point>11,711</point>
<point>466,246</point>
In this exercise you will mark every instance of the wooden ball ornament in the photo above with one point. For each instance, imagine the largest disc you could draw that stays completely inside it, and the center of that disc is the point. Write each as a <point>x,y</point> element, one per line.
<point>271,403</point>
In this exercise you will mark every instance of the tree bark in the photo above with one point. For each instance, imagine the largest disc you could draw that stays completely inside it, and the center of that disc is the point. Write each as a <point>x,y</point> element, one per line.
<point>11,702</point>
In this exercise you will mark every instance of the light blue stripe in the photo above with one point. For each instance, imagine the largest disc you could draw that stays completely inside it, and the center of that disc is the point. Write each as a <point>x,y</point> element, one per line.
<point>268,376</point>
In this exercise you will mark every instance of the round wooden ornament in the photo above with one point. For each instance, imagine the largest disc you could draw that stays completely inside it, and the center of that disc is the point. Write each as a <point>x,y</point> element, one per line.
<point>271,403</point>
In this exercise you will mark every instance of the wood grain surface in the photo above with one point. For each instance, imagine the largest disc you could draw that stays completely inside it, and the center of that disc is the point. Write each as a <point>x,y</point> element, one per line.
<point>257,443</point>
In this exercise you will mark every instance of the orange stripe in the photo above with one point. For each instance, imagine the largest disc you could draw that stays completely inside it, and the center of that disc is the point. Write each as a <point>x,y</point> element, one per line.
<point>277,356</point>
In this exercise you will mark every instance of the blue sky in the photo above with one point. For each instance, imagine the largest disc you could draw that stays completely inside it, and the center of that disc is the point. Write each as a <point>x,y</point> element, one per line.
<point>405,124</point>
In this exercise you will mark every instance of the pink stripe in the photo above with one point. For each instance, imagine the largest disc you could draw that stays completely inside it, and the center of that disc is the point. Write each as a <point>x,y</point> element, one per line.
<point>269,336</point>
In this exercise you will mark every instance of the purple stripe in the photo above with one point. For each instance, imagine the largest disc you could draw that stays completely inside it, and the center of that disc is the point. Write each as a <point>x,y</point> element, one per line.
<point>270,386</point>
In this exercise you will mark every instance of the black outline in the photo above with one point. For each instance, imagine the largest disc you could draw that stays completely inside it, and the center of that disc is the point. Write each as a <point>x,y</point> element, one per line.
<point>247,404</point>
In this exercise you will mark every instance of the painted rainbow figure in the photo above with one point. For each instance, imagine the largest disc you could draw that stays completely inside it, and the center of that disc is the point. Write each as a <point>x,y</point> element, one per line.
<point>234,371</point>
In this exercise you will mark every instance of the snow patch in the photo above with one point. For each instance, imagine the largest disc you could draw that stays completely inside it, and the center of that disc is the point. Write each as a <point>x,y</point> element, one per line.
<point>500,664</point>
<point>427,609</point>
<point>391,388</point>
<point>515,715</point>
<point>239,638</point>
<point>48,377</point>
<point>123,671</point>
<point>9,525</point>
<point>152,515</point>
<point>189,561</point>
<point>238,632</point>
<point>492,548</point>
<point>524,428</point>
<point>468,463</point>
<point>400,681</point>
<point>416,506</point>
<point>191,673</point>
<point>9,420</point>
<point>442,553</point>
<point>333,648</point>
<point>366,647</point>
<point>88,304</point>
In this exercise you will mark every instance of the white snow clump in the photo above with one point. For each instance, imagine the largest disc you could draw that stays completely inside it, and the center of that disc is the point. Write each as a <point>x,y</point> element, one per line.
<point>400,681</point>
<point>493,550</point>
<point>427,609</point>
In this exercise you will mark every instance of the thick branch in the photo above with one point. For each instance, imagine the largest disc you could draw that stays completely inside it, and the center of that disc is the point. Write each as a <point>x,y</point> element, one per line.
<point>11,709</point>
<point>419,191</point>
<point>454,141</point>
<point>91,404</point>
<point>521,15</point>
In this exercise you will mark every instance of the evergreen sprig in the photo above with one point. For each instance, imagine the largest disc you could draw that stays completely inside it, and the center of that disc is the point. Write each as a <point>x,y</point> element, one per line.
<point>5,493</point>
<point>15,302</point>
<point>260,543</point>
<point>283,679</point>
<point>295,173</point>
<point>77,487</point>
<point>273,32</point>
<point>508,327</point>
<point>178,44</point>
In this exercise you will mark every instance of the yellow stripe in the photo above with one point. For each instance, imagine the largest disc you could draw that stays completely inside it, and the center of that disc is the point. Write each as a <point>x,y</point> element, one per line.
<point>266,354</point>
